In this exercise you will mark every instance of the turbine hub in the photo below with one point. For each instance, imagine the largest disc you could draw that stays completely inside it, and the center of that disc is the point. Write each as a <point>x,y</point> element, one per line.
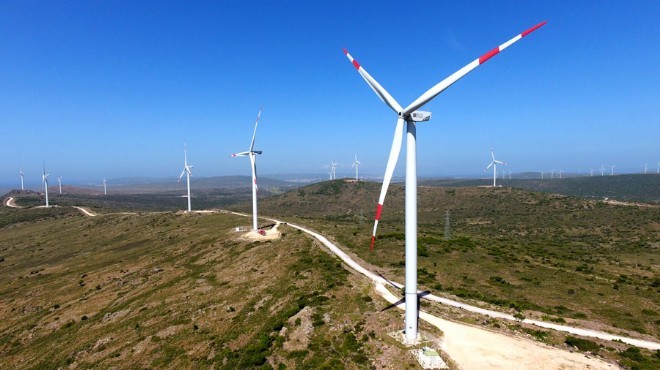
<point>420,116</point>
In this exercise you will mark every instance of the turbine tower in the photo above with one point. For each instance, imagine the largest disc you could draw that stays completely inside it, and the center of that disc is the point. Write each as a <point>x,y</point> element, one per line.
<point>542,173</point>
<point>591,172</point>
<point>646,167</point>
<point>22,174</point>
<point>105,187</point>
<point>59,181</point>
<point>44,179</point>
<point>560,172</point>
<point>356,164</point>
<point>494,164</point>
<point>333,170</point>
<point>252,154</point>
<point>410,116</point>
<point>602,170</point>
<point>186,171</point>
<point>612,170</point>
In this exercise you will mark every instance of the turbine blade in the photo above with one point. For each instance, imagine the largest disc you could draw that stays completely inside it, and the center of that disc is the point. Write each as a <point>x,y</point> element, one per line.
<point>375,86</point>
<point>389,171</point>
<point>444,84</point>
<point>253,160</point>
<point>490,165</point>
<point>241,154</point>
<point>181,175</point>
<point>255,129</point>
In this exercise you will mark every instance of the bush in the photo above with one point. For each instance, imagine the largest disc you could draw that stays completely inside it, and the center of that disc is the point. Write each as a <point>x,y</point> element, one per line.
<point>582,344</point>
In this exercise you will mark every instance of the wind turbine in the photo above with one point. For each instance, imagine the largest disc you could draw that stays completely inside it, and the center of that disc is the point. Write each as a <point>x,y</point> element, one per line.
<point>186,171</point>
<point>356,164</point>
<point>494,164</point>
<point>22,174</point>
<point>657,169</point>
<point>602,170</point>
<point>105,187</point>
<point>542,173</point>
<point>44,179</point>
<point>333,170</point>
<point>612,170</point>
<point>591,172</point>
<point>59,181</point>
<point>253,164</point>
<point>646,167</point>
<point>560,172</point>
<point>411,116</point>
<point>552,174</point>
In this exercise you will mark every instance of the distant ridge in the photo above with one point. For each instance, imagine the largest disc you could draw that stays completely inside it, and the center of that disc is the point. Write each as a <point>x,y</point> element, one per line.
<point>636,187</point>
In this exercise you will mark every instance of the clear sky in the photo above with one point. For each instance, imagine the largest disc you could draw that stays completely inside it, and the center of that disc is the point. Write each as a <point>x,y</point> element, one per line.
<point>115,88</point>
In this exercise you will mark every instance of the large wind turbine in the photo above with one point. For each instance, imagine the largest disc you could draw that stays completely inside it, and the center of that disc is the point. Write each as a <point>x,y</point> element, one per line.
<point>333,170</point>
<point>186,171</point>
<point>356,164</point>
<point>253,163</point>
<point>602,170</point>
<point>44,179</point>
<point>105,187</point>
<point>494,164</point>
<point>410,116</point>
<point>22,174</point>
<point>59,181</point>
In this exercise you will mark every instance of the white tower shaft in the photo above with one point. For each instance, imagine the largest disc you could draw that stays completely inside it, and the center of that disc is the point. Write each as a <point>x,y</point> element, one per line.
<point>188,184</point>
<point>253,158</point>
<point>411,234</point>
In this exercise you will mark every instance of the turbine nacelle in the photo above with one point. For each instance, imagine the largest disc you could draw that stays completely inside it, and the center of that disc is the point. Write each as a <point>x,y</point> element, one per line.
<point>419,116</point>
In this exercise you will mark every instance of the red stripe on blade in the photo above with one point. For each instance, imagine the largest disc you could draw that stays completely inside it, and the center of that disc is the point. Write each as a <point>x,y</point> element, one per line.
<point>356,64</point>
<point>379,210</point>
<point>488,55</point>
<point>527,32</point>
<point>373,240</point>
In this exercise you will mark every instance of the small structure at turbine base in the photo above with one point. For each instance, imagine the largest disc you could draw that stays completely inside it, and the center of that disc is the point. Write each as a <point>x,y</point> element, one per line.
<point>429,358</point>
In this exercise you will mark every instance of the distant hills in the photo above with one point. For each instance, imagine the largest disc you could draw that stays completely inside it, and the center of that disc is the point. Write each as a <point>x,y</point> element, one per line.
<point>637,187</point>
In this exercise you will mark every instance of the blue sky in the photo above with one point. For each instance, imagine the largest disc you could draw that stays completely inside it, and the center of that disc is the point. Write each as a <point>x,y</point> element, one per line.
<point>114,88</point>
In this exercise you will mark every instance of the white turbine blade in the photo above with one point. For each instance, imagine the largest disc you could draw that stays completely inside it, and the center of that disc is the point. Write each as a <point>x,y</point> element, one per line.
<point>499,162</point>
<point>490,165</point>
<point>255,129</point>
<point>253,162</point>
<point>182,173</point>
<point>492,154</point>
<point>389,171</point>
<point>241,154</point>
<point>375,86</point>
<point>444,84</point>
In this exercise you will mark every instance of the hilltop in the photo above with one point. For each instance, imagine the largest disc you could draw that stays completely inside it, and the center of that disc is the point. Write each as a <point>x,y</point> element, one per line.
<point>545,256</point>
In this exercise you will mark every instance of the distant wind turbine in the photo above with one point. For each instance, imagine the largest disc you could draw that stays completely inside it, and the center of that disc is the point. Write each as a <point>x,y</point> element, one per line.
<point>252,154</point>
<point>22,174</point>
<point>612,170</point>
<point>44,179</point>
<point>105,188</point>
<point>646,167</point>
<point>187,171</point>
<point>356,164</point>
<point>602,170</point>
<point>334,170</point>
<point>552,174</point>
<point>59,181</point>
<point>591,171</point>
<point>560,172</point>
<point>657,169</point>
<point>542,173</point>
<point>494,164</point>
